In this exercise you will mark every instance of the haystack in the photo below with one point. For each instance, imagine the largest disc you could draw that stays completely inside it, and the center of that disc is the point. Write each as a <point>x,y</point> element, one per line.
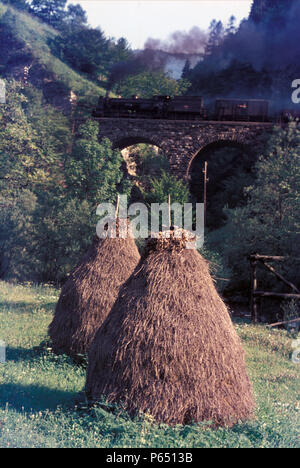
<point>90,291</point>
<point>168,347</point>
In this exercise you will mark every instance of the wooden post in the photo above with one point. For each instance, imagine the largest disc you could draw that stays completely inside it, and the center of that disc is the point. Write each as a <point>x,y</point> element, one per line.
<point>254,317</point>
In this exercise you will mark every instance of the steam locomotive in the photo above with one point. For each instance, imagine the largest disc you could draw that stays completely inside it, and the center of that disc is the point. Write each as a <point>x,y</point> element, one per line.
<point>189,108</point>
<point>160,107</point>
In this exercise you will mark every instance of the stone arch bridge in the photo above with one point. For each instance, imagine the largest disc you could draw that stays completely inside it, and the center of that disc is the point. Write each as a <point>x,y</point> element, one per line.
<point>182,140</point>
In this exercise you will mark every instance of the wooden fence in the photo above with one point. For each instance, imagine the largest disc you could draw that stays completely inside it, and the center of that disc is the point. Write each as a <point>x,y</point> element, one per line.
<point>262,260</point>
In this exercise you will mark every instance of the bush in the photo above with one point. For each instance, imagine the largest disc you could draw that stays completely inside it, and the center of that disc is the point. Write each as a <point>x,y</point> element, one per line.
<point>219,271</point>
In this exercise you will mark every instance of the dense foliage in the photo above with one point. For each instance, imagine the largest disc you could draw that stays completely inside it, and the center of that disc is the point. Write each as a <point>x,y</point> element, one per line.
<point>88,51</point>
<point>148,84</point>
<point>269,223</point>
<point>49,195</point>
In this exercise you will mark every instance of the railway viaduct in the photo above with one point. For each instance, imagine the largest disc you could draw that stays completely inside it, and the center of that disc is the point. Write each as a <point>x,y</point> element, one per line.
<point>182,140</point>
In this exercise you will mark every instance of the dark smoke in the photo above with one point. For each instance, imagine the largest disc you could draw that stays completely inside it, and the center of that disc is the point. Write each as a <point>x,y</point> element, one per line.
<point>272,44</point>
<point>154,57</point>
<point>260,61</point>
<point>145,60</point>
<point>192,42</point>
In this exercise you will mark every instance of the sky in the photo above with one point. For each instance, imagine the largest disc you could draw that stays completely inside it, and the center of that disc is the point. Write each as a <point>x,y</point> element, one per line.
<point>137,20</point>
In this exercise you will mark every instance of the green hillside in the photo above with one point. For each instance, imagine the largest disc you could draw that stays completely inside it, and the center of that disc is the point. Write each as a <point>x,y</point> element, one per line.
<point>26,41</point>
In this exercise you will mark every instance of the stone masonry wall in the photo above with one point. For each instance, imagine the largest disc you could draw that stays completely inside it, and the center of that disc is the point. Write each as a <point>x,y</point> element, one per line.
<point>181,140</point>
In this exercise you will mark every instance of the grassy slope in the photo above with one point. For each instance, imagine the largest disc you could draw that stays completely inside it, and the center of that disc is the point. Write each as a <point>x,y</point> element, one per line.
<point>36,35</point>
<point>38,390</point>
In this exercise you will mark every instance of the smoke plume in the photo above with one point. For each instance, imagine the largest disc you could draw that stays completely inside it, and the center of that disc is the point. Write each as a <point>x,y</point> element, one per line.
<point>271,44</point>
<point>155,56</point>
<point>259,61</point>
<point>192,42</point>
<point>145,60</point>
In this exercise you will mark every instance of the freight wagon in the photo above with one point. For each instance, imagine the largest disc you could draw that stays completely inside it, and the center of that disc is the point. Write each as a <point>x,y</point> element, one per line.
<point>186,107</point>
<point>255,110</point>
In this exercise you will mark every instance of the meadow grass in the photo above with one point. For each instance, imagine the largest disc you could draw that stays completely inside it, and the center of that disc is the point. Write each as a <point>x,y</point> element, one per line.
<point>42,404</point>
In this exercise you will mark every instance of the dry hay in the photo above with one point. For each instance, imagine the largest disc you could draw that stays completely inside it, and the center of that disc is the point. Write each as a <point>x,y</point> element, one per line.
<point>168,347</point>
<point>173,239</point>
<point>90,292</point>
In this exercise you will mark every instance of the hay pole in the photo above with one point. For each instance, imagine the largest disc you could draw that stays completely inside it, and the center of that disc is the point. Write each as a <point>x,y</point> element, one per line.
<point>118,206</point>
<point>253,267</point>
<point>205,181</point>
<point>170,219</point>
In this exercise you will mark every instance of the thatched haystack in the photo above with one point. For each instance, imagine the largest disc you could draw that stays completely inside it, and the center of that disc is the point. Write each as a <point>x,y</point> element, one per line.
<point>90,292</point>
<point>168,347</point>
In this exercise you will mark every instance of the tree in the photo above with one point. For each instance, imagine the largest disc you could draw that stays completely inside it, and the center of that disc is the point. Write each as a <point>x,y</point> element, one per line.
<point>231,26</point>
<point>33,139</point>
<point>147,84</point>
<point>167,184</point>
<point>186,69</point>
<point>262,10</point>
<point>16,228</point>
<point>41,238</point>
<point>50,11</point>
<point>95,171</point>
<point>85,49</point>
<point>75,16</point>
<point>121,50</point>
<point>52,126</point>
<point>62,233</point>
<point>216,36</point>
<point>160,188</point>
<point>20,157</point>
<point>19,4</point>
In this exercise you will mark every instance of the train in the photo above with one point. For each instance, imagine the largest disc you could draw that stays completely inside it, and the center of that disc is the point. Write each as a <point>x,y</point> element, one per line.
<point>178,107</point>
<point>190,108</point>
<point>255,110</point>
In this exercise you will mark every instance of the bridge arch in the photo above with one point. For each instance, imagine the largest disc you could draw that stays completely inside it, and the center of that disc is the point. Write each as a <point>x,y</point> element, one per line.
<point>230,170</point>
<point>133,162</point>
<point>214,145</point>
<point>131,140</point>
